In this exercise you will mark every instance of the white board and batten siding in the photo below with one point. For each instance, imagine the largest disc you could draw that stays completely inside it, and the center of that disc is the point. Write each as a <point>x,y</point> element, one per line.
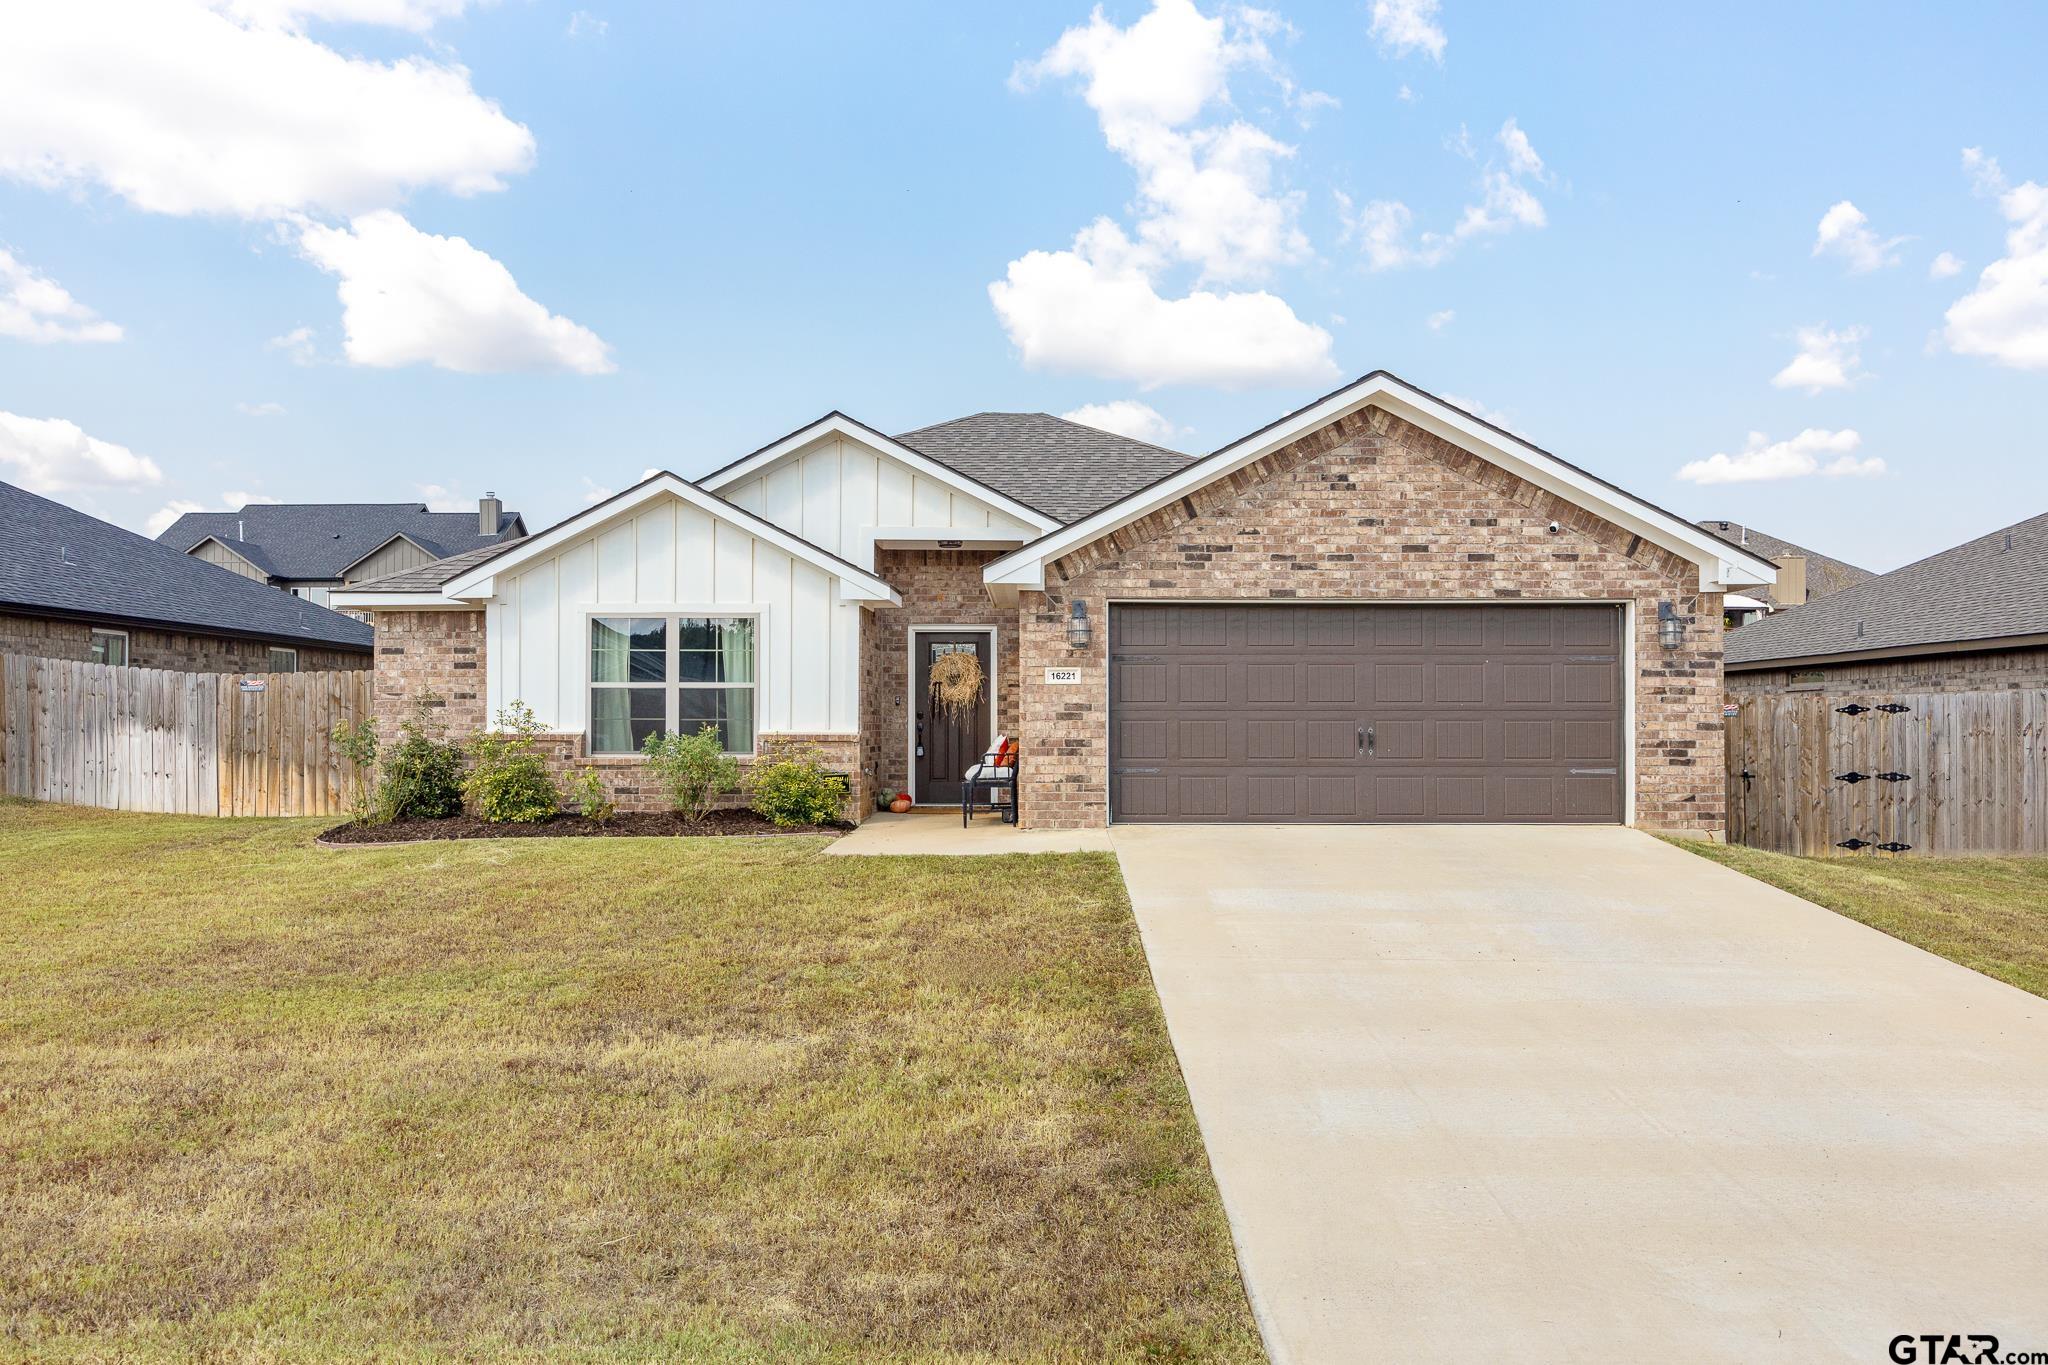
<point>672,558</point>
<point>835,492</point>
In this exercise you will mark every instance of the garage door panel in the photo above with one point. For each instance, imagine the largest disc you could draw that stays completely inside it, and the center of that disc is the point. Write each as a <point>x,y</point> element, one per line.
<point>1481,712</point>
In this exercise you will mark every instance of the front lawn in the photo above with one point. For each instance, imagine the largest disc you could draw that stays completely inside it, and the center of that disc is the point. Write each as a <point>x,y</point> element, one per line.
<point>1989,914</point>
<point>642,1099</point>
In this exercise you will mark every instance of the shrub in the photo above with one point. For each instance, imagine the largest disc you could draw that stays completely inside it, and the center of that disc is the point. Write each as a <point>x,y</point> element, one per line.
<point>508,780</point>
<point>422,778</point>
<point>797,790</point>
<point>695,769</point>
<point>590,795</point>
<point>358,744</point>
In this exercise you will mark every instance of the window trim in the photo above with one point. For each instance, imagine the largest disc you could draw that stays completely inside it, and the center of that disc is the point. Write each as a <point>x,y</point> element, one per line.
<point>127,645</point>
<point>671,684</point>
<point>276,650</point>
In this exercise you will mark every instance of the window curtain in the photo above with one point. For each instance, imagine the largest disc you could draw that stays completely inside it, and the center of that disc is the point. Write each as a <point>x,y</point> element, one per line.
<point>736,660</point>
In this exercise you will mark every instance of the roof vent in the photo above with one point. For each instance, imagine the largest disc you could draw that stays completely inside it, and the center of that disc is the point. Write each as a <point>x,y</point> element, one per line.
<point>2008,540</point>
<point>1859,630</point>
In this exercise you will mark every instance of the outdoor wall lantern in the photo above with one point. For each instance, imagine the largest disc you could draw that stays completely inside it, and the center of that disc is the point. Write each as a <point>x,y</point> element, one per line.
<point>1670,626</point>
<point>1077,625</point>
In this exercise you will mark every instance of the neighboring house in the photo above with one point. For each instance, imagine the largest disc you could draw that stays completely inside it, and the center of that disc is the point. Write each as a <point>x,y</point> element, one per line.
<point>1803,575</point>
<point>310,549</point>
<point>1379,607</point>
<point>1968,619</point>
<point>74,587</point>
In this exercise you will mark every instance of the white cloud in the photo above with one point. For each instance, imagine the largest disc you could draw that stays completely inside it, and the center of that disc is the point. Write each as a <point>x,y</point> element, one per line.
<point>1442,319</point>
<point>297,344</point>
<point>1943,266</point>
<point>1505,203</point>
<point>1827,359</point>
<point>1845,232</point>
<point>415,16</point>
<point>260,409</point>
<point>1404,27</point>
<point>594,492</point>
<point>1406,95</point>
<point>160,520</point>
<point>410,297</point>
<point>583,23</point>
<point>234,500</point>
<point>180,109</point>
<point>440,498</point>
<point>1206,205</point>
<point>1486,414</point>
<point>1094,309</point>
<point>51,455</point>
<point>1126,417</point>
<point>1205,192</point>
<point>1762,459</point>
<point>2005,318</point>
<point>34,307</point>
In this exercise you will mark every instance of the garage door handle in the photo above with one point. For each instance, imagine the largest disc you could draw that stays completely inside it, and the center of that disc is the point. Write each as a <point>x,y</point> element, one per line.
<point>1365,740</point>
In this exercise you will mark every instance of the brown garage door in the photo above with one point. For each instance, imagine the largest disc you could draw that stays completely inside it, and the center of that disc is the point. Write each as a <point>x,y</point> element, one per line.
<point>1355,713</point>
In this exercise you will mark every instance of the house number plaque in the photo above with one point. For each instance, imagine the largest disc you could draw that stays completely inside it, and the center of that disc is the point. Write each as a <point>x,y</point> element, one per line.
<point>1063,675</point>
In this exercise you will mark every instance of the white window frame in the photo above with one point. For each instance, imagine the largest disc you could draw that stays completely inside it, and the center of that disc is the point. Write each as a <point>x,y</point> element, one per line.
<point>127,651</point>
<point>671,684</point>
<point>276,650</point>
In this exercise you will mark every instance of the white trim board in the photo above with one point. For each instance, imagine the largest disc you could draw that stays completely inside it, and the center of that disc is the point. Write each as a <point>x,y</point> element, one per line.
<point>839,424</point>
<point>1719,562</point>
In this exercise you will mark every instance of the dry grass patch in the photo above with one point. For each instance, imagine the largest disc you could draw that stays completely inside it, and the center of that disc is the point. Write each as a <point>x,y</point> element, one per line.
<point>1989,914</point>
<point>719,1100</point>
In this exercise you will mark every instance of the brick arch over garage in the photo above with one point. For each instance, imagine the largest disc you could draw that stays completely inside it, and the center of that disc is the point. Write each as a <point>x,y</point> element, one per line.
<point>1371,508</point>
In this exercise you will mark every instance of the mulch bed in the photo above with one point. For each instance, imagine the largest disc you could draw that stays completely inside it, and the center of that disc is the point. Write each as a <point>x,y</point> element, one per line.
<point>627,824</point>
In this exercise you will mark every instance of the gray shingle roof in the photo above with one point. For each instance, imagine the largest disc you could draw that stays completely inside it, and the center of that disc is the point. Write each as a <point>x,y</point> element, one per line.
<point>1062,468</point>
<point>316,540</point>
<point>429,577</point>
<point>1824,574</point>
<point>57,560</point>
<point>1986,589</point>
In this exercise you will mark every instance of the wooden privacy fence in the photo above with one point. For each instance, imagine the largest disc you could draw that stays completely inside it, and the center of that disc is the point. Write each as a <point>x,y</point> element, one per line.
<point>190,743</point>
<point>1923,772</point>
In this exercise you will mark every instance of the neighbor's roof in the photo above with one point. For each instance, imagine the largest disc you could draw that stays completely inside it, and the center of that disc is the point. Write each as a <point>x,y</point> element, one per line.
<point>57,561</point>
<point>321,539</point>
<point>1062,468</point>
<point>1824,574</point>
<point>1991,588</point>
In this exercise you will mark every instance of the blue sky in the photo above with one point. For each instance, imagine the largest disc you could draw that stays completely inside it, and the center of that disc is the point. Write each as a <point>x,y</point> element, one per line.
<point>388,249</point>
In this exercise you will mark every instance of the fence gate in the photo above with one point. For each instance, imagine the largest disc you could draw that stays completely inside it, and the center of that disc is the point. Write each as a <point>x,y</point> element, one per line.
<point>149,739</point>
<point>1926,772</point>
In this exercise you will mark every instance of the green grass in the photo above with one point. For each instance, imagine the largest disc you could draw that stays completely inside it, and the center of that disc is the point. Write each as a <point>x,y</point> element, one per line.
<point>601,1099</point>
<point>1989,914</point>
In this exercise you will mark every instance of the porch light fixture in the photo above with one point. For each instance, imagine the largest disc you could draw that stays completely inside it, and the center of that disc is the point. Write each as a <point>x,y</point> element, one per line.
<point>1670,626</point>
<point>1077,625</point>
<point>949,545</point>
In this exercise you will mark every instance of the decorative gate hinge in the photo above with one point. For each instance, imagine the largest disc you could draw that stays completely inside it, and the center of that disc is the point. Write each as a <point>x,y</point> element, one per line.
<point>1893,708</point>
<point>1852,778</point>
<point>1854,708</point>
<point>1894,777</point>
<point>1854,844</point>
<point>1894,846</point>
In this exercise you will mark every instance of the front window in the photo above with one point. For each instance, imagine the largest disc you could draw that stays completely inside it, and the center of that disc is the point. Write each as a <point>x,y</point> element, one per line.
<point>650,674</point>
<point>283,660</point>
<point>110,647</point>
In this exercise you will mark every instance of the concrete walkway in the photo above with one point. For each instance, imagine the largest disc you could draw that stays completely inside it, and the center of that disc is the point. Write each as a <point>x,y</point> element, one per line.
<point>1572,1094</point>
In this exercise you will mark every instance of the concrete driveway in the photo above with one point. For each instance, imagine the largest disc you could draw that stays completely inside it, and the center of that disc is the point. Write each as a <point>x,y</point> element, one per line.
<point>1572,1094</point>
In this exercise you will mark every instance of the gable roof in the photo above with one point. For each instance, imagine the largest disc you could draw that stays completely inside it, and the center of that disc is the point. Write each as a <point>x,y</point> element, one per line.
<point>57,561</point>
<point>1992,588</point>
<point>251,554</point>
<point>1062,468</point>
<point>474,581</point>
<point>316,540</point>
<point>430,576</point>
<point>1719,561</point>
<point>1824,573</point>
<point>838,423</point>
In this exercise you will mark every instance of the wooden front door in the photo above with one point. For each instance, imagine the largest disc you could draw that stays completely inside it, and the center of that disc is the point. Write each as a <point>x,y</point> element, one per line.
<point>947,746</point>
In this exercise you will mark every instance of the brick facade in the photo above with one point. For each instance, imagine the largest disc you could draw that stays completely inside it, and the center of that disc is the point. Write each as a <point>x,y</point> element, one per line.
<point>938,587</point>
<point>2003,670</point>
<point>179,651</point>
<point>431,651</point>
<point>1372,508</point>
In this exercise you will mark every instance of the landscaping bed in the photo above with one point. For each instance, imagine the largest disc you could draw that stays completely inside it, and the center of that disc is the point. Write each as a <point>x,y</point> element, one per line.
<point>665,824</point>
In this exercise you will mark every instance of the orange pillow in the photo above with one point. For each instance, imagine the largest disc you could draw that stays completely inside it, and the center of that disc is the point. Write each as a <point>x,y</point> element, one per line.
<point>1007,755</point>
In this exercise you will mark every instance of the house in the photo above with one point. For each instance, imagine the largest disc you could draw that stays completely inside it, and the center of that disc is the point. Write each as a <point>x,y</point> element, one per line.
<point>1969,619</point>
<point>74,587</point>
<point>310,549</point>
<point>1803,574</point>
<point>1378,607</point>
